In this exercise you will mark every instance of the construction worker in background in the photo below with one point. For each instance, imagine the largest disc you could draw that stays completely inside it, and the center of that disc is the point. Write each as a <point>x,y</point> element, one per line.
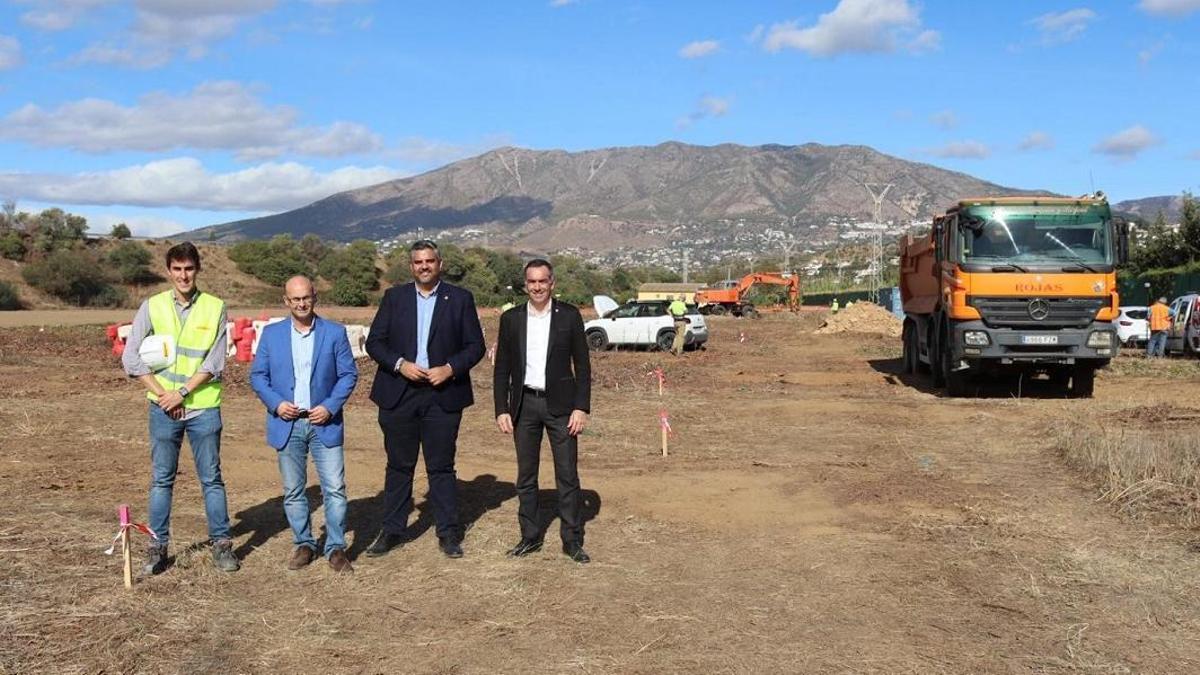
<point>1160,323</point>
<point>833,307</point>
<point>678,312</point>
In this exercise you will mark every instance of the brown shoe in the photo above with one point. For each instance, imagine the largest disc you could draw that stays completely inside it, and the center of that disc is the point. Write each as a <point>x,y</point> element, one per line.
<point>339,562</point>
<point>301,557</point>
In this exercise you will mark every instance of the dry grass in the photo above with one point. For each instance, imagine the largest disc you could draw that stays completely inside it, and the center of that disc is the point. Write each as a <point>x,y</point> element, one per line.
<point>1146,459</point>
<point>1133,363</point>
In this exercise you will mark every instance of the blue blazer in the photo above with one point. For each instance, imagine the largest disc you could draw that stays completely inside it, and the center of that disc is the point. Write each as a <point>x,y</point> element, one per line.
<point>455,338</point>
<point>333,378</point>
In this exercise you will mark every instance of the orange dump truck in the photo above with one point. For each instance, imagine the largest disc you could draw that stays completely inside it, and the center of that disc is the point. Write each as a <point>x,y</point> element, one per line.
<point>1013,284</point>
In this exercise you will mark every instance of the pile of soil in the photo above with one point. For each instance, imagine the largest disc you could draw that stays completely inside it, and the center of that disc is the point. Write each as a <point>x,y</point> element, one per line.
<point>861,317</point>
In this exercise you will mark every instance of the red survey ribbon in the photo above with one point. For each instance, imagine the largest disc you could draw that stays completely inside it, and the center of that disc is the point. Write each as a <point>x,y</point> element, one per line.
<point>660,375</point>
<point>126,526</point>
<point>665,422</point>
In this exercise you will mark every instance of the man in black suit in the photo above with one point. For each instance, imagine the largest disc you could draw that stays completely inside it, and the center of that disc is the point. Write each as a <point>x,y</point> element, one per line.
<point>543,381</point>
<point>426,338</point>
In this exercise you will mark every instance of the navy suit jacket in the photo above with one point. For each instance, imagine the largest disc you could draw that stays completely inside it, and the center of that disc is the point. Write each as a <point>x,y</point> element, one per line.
<point>333,378</point>
<point>455,338</point>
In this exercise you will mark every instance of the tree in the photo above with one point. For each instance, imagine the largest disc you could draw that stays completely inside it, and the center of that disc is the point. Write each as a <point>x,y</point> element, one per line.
<point>1189,227</point>
<point>273,261</point>
<point>55,229</point>
<point>121,231</point>
<point>12,245</point>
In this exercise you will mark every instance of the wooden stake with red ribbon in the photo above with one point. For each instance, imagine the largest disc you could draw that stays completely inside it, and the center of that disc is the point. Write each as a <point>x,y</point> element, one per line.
<point>661,376</point>
<point>122,536</point>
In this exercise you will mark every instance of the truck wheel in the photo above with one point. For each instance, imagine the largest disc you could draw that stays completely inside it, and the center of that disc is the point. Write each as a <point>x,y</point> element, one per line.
<point>909,349</point>
<point>936,374</point>
<point>597,340</point>
<point>749,312</point>
<point>716,310</point>
<point>956,382</point>
<point>1083,382</point>
<point>664,341</point>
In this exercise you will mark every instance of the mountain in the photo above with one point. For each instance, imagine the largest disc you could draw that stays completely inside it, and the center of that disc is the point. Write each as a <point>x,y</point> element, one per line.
<point>1147,208</point>
<point>635,196</point>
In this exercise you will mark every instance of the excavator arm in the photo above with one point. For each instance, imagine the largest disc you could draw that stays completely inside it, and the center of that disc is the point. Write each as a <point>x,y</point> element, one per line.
<point>791,281</point>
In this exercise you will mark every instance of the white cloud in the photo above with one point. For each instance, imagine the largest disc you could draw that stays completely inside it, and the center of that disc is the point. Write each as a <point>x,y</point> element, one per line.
<point>1169,7</point>
<point>694,50</point>
<point>10,52</point>
<point>962,150</point>
<point>856,26</point>
<point>425,152</point>
<point>1128,143</point>
<point>944,120</point>
<point>707,106</point>
<point>1059,27</point>
<point>561,3</point>
<point>57,15</point>
<point>1145,55</point>
<point>184,183</point>
<point>214,116</point>
<point>160,31</point>
<point>755,35</point>
<point>1036,140</point>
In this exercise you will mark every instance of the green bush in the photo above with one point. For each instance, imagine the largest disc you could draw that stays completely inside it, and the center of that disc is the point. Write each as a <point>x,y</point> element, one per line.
<point>121,231</point>
<point>12,246</point>
<point>349,293</point>
<point>75,276</point>
<point>131,261</point>
<point>273,261</point>
<point>9,299</point>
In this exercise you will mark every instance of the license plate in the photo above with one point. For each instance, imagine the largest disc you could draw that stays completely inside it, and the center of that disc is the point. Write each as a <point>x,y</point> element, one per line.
<point>1039,339</point>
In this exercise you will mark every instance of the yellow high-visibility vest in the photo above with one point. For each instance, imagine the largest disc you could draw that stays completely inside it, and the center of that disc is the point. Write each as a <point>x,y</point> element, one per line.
<point>193,340</point>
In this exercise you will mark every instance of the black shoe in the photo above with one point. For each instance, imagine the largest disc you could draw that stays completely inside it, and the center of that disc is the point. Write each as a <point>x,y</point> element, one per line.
<point>156,560</point>
<point>574,551</point>
<point>383,543</point>
<point>450,546</point>
<point>524,548</point>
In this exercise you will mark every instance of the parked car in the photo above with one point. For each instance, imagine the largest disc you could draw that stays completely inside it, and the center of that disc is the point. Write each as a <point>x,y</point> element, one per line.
<point>641,323</point>
<point>1184,335</point>
<point>1133,326</point>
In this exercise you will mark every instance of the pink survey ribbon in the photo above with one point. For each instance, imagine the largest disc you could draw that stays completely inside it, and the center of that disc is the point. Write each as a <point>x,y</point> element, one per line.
<point>741,336</point>
<point>665,422</point>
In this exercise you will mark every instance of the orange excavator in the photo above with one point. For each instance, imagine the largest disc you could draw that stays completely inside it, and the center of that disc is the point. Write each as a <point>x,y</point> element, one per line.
<point>730,296</point>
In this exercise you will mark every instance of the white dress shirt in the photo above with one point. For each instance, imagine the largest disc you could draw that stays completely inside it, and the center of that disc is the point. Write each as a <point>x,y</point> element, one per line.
<point>537,344</point>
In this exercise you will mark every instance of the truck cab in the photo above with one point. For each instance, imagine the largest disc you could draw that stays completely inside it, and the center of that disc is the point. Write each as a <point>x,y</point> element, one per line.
<point>1013,284</point>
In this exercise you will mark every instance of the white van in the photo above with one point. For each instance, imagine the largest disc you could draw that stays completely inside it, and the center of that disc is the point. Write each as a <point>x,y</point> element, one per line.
<point>1184,335</point>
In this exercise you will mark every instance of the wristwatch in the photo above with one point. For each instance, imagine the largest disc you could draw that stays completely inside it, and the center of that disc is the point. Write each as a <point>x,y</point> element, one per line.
<point>400,364</point>
<point>183,392</point>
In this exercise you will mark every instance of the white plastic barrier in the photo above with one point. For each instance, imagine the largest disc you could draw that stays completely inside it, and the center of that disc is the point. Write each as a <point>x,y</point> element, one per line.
<point>230,346</point>
<point>258,328</point>
<point>357,334</point>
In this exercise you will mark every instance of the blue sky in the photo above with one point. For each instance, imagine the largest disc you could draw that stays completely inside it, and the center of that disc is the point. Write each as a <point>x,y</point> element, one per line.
<point>172,114</point>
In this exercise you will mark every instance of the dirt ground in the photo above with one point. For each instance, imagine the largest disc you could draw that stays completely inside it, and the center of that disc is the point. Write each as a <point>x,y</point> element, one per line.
<point>818,512</point>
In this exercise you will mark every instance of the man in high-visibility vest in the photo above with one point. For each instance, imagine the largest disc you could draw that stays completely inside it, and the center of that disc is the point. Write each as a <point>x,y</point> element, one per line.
<point>678,311</point>
<point>185,398</point>
<point>1160,325</point>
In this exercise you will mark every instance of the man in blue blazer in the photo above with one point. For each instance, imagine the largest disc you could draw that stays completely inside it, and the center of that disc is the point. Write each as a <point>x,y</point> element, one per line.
<point>426,338</point>
<point>303,373</point>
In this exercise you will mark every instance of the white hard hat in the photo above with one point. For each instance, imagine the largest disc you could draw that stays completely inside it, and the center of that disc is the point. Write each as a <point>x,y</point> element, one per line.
<point>157,351</point>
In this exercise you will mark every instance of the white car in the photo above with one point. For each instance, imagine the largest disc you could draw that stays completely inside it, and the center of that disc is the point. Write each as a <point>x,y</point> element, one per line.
<point>1133,326</point>
<point>646,324</point>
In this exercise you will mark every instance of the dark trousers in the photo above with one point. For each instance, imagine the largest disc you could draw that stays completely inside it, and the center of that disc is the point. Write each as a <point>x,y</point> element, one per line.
<point>418,423</point>
<point>527,433</point>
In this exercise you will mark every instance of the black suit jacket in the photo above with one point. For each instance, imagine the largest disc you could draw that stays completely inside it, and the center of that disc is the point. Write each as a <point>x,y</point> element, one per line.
<point>568,371</point>
<point>455,337</point>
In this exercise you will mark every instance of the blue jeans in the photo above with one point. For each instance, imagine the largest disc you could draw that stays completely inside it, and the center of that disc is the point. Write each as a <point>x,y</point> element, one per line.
<point>331,471</point>
<point>1157,345</point>
<point>166,440</point>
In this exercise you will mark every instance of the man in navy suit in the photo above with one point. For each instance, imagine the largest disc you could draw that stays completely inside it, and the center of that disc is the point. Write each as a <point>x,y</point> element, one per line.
<point>303,373</point>
<point>426,338</point>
